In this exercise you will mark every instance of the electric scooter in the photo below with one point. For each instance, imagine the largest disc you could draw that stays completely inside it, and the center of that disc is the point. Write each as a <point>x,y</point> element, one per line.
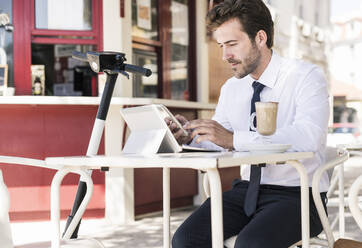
<point>111,63</point>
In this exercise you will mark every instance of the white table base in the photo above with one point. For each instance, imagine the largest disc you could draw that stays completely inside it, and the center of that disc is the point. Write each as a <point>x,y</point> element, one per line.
<point>210,163</point>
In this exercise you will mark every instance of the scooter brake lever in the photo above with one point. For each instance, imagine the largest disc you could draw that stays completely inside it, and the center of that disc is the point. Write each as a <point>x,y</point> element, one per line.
<point>124,74</point>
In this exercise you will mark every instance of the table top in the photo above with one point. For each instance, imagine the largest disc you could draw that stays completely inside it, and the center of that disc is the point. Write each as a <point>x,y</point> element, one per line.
<point>195,160</point>
<point>84,100</point>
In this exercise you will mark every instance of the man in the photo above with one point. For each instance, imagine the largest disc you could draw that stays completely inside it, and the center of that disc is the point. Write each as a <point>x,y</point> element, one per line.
<point>244,31</point>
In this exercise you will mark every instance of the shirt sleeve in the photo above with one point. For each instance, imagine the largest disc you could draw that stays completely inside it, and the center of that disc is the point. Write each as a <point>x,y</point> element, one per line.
<point>221,110</point>
<point>308,130</point>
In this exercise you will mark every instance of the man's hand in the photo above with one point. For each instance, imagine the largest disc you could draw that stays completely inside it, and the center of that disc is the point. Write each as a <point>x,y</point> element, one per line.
<point>212,131</point>
<point>177,132</point>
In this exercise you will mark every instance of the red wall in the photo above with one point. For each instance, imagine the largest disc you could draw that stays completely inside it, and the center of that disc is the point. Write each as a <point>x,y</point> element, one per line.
<point>39,131</point>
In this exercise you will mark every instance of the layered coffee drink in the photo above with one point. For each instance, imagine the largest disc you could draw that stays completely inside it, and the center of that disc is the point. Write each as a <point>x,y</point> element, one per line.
<point>266,118</point>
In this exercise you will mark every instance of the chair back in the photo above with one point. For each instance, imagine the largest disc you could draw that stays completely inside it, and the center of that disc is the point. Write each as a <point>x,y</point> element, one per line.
<point>354,201</point>
<point>334,157</point>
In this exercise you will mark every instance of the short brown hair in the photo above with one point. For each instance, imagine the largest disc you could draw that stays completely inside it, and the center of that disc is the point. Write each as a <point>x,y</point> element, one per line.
<point>253,15</point>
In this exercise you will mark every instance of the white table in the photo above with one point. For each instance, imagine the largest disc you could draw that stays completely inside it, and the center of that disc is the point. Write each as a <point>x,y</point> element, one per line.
<point>210,162</point>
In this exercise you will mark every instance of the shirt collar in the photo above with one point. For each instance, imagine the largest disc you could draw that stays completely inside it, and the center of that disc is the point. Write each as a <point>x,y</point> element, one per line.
<point>270,75</point>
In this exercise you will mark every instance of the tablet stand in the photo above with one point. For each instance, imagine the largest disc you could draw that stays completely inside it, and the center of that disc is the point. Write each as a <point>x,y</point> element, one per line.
<point>150,142</point>
<point>144,142</point>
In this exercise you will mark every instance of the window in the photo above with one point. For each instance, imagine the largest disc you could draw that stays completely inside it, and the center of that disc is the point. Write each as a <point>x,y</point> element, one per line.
<point>179,50</point>
<point>316,18</point>
<point>52,30</point>
<point>301,11</point>
<point>316,13</point>
<point>64,76</point>
<point>144,19</point>
<point>50,15</point>
<point>165,40</point>
<point>145,86</point>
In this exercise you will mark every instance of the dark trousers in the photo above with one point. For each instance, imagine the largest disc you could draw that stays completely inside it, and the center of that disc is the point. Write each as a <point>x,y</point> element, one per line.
<point>275,224</point>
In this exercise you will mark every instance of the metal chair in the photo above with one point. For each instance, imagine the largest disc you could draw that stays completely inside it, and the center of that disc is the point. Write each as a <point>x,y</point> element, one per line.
<point>57,242</point>
<point>334,157</point>
<point>342,156</point>
<point>336,186</point>
<point>353,201</point>
<point>356,213</point>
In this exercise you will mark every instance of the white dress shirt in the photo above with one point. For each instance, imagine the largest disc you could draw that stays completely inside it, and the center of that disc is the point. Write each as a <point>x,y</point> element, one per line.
<point>302,121</point>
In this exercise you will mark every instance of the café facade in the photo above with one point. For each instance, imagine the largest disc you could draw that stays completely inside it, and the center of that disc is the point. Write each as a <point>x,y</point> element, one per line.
<point>57,119</point>
<point>50,100</point>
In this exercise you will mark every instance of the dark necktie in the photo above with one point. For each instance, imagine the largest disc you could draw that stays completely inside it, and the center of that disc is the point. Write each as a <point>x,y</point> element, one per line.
<point>251,197</point>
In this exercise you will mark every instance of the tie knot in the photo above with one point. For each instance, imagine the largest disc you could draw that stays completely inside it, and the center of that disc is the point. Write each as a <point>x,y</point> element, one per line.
<point>258,87</point>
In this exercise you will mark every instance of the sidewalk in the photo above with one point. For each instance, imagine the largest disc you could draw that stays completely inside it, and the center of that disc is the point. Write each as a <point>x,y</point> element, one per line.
<point>147,232</point>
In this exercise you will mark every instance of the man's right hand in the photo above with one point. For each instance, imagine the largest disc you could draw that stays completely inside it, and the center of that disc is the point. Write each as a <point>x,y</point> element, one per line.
<point>177,132</point>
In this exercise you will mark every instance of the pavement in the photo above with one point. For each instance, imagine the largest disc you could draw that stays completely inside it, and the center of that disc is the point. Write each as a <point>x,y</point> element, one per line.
<point>147,231</point>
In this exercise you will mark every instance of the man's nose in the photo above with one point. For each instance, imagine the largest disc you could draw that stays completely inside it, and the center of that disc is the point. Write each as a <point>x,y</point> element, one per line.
<point>226,54</point>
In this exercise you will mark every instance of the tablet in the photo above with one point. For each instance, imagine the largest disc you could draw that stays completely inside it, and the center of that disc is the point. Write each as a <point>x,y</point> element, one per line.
<point>150,133</point>
<point>148,126</point>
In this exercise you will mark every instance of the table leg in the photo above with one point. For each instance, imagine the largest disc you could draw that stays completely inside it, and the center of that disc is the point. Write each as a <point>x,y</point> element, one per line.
<point>55,205</point>
<point>166,207</point>
<point>216,208</point>
<point>304,201</point>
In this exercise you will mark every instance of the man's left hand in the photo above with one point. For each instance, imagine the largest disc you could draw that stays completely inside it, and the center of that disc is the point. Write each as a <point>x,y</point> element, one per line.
<point>211,130</point>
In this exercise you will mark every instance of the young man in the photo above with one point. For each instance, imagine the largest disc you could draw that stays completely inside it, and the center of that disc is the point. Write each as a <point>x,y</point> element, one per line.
<point>244,31</point>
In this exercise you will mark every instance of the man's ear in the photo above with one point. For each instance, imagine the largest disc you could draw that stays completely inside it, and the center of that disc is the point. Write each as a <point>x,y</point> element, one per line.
<point>261,38</point>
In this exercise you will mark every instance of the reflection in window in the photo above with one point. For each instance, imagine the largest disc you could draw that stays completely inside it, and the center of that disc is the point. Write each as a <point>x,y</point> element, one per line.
<point>179,50</point>
<point>64,14</point>
<point>145,86</point>
<point>144,19</point>
<point>64,76</point>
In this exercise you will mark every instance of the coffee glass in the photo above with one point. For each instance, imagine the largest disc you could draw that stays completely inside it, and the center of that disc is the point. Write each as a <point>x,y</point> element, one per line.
<point>266,118</point>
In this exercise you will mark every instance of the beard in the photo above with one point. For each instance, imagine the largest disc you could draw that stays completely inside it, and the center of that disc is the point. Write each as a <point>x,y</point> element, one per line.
<point>247,65</point>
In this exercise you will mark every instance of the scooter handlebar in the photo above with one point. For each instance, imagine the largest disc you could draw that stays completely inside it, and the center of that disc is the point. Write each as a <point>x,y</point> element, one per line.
<point>137,69</point>
<point>109,61</point>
